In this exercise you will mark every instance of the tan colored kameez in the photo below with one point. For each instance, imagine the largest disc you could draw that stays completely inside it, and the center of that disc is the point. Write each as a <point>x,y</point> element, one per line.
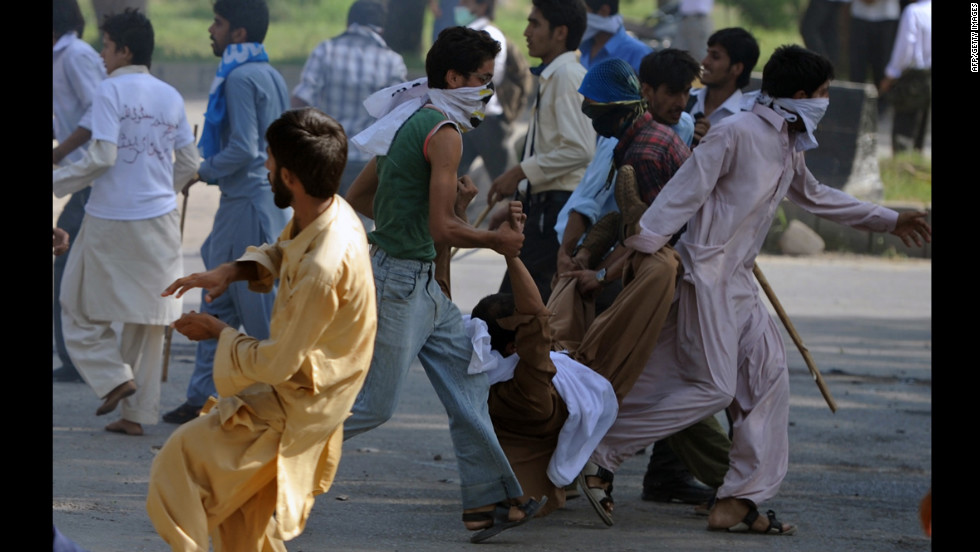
<point>273,440</point>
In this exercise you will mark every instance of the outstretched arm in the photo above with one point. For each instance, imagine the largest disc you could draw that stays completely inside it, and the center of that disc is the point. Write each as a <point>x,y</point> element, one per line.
<point>913,228</point>
<point>216,280</point>
<point>198,326</point>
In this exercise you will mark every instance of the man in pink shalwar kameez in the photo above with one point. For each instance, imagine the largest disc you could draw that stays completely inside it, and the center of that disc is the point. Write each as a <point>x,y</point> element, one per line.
<point>719,347</point>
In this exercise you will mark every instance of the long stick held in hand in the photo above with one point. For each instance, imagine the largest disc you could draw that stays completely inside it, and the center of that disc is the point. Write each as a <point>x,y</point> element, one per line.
<point>796,337</point>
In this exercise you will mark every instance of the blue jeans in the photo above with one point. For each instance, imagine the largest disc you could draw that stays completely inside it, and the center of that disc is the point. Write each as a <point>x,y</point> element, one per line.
<point>416,319</point>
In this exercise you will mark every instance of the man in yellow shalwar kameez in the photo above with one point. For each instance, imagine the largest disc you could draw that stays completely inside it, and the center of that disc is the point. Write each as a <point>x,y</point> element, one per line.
<point>244,474</point>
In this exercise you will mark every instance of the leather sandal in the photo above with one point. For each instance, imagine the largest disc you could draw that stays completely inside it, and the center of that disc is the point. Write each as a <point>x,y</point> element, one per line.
<point>745,526</point>
<point>598,497</point>
<point>499,518</point>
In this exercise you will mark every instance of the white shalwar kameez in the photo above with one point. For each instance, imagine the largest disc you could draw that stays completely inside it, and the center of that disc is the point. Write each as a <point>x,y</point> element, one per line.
<point>128,248</point>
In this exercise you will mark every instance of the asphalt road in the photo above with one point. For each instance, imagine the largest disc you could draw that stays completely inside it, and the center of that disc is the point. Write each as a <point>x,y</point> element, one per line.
<point>855,476</point>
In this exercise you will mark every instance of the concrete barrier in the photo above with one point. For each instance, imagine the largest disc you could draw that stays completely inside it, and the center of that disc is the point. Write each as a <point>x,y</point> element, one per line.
<point>193,79</point>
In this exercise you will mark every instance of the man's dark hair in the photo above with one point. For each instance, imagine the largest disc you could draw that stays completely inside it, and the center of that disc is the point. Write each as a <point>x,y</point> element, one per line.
<point>313,146</point>
<point>490,309</point>
<point>251,15</point>
<point>570,13</point>
<point>672,67</point>
<point>131,29</point>
<point>66,16</point>
<point>595,5</point>
<point>368,12</point>
<point>791,68</point>
<point>461,49</point>
<point>741,47</point>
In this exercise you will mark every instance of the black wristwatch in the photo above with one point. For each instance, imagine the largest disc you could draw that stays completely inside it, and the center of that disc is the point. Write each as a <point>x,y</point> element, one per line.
<point>600,275</point>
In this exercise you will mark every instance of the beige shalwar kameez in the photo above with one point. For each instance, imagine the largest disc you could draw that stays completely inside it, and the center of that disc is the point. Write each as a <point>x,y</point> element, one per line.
<point>273,440</point>
<point>719,347</point>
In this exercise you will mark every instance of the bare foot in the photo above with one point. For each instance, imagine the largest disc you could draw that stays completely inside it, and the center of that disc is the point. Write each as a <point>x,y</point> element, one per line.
<point>729,514</point>
<point>125,426</point>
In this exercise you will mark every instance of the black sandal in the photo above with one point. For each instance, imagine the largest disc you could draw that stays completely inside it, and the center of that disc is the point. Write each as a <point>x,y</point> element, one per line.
<point>499,518</point>
<point>775,526</point>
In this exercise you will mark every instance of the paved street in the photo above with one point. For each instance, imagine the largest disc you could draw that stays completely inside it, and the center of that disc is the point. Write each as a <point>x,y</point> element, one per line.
<point>855,476</point>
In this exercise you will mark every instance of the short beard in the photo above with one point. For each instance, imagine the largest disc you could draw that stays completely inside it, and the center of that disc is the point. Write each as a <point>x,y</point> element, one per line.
<point>281,195</point>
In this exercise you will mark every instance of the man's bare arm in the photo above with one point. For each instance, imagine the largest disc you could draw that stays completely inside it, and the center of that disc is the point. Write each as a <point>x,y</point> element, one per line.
<point>362,190</point>
<point>216,280</point>
<point>77,138</point>
<point>527,298</point>
<point>445,149</point>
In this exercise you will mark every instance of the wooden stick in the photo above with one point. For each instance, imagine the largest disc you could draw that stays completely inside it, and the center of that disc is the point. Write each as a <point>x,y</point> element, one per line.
<point>796,337</point>
<point>169,332</point>
<point>479,221</point>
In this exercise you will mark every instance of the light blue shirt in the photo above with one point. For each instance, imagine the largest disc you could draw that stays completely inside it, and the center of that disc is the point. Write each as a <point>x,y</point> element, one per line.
<point>256,95</point>
<point>620,45</point>
<point>77,71</point>
<point>592,198</point>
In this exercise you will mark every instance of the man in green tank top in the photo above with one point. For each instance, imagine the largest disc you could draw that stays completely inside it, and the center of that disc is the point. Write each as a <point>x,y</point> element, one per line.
<point>410,190</point>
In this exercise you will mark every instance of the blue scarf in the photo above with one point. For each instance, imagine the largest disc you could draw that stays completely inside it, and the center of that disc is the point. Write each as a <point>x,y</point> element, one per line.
<point>235,55</point>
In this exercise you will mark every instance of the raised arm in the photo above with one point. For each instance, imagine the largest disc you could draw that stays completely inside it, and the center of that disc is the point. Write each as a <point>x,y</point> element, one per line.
<point>527,298</point>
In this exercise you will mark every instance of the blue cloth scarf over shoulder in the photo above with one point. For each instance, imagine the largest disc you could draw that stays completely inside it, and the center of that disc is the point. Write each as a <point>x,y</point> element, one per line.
<point>235,55</point>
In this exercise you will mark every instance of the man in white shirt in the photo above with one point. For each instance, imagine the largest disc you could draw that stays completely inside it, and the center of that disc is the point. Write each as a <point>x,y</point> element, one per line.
<point>908,77</point>
<point>560,140</point>
<point>727,68</point>
<point>77,71</point>
<point>128,247</point>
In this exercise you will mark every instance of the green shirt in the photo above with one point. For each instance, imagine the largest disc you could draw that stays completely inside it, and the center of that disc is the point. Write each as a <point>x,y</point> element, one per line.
<point>401,203</point>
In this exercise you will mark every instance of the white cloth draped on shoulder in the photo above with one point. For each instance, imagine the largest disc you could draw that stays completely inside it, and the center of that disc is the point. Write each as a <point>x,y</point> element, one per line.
<point>589,397</point>
<point>395,104</point>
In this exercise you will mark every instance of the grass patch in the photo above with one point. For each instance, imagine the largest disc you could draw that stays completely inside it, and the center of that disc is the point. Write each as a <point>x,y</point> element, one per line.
<point>297,26</point>
<point>907,177</point>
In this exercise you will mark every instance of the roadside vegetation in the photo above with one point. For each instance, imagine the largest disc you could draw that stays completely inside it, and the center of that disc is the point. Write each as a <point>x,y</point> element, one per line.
<point>181,28</point>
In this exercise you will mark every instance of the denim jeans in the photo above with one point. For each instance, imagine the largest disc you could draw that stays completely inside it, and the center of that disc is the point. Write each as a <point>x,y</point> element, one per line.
<point>416,319</point>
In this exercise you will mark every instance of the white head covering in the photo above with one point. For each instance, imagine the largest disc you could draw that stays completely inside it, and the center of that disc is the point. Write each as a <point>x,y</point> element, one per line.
<point>395,104</point>
<point>811,110</point>
<point>597,23</point>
